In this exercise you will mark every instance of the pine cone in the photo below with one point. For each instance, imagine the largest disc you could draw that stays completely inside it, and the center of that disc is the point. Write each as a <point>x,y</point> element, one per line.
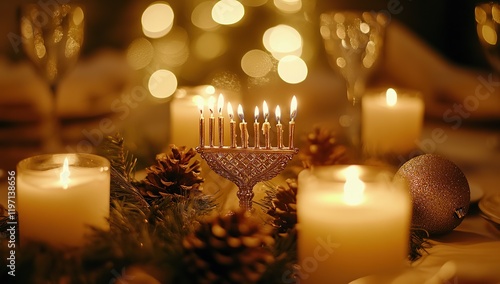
<point>174,173</point>
<point>283,206</point>
<point>228,249</point>
<point>323,149</point>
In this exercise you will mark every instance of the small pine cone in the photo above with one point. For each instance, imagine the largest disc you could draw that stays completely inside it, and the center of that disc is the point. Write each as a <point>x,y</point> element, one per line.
<point>323,149</point>
<point>283,207</point>
<point>228,249</point>
<point>174,173</point>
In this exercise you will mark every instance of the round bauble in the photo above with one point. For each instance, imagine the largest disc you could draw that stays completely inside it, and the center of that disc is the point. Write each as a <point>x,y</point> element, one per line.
<point>440,192</point>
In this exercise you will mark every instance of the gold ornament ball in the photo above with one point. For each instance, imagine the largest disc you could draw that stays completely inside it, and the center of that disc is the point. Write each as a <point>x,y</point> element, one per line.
<point>440,192</point>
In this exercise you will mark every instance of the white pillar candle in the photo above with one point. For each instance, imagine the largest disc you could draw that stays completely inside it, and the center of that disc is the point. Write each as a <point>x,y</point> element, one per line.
<point>60,195</point>
<point>353,221</point>
<point>391,121</point>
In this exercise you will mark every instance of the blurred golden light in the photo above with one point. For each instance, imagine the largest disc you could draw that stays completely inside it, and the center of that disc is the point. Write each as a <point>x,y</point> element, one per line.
<point>228,12</point>
<point>209,46</point>
<point>173,49</point>
<point>282,40</point>
<point>256,63</point>
<point>201,16</point>
<point>340,62</point>
<point>157,20</point>
<point>480,15</point>
<point>495,13</point>
<point>292,69</point>
<point>364,27</point>
<point>489,34</point>
<point>139,53</point>
<point>162,83</point>
<point>288,6</point>
<point>78,16</point>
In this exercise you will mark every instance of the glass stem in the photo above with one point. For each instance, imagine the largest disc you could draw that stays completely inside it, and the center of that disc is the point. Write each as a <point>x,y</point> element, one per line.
<point>52,137</point>
<point>354,112</point>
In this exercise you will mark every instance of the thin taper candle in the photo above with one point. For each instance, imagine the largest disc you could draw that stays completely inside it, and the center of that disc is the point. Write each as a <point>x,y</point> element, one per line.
<point>256,134</point>
<point>220,105</point>
<point>243,128</point>
<point>266,126</point>
<point>279,128</point>
<point>293,114</point>
<point>202,124</point>
<point>232,125</point>
<point>211,124</point>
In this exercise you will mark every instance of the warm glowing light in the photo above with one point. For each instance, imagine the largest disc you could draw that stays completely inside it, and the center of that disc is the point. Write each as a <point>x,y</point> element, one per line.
<point>209,89</point>
<point>240,113</point>
<point>292,69</point>
<point>228,12</point>
<point>220,104</point>
<point>282,40</point>
<point>489,34</point>
<point>495,13</point>
<point>391,97</point>
<point>173,49</point>
<point>265,110</point>
<point>364,27</point>
<point>64,175</point>
<point>201,105</point>
<point>353,188</point>
<point>288,6</point>
<point>256,113</point>
<point>162,84</point>
<point>230,112</point>
<point>278,114</point>
<point>157,20</point>
<point>78,16</point>
<point>293,108</point>
<point>201,16</point>
<point>211,105</point>
<point>210,45</point>
<point>256,63</point>
<point>140,53</point>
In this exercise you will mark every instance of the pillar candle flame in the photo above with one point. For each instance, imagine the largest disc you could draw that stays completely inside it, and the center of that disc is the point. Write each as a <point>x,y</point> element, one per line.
<point>293,109</point>
<point>64,175</point>
<point>391,97</point>
<point>353,188</point>
<point>265,109</point>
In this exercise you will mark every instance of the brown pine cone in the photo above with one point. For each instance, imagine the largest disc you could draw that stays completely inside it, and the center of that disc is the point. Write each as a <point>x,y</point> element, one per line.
<point>228,249</point>
<point>283,206</point>
<point>175,173</point>
<point>323,149</point>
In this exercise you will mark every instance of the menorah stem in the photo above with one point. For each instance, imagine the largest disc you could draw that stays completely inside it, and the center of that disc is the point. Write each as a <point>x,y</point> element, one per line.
<point>245,195</point>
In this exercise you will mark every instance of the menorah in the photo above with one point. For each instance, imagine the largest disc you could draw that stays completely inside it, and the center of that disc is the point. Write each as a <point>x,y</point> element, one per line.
<point>246,165</point>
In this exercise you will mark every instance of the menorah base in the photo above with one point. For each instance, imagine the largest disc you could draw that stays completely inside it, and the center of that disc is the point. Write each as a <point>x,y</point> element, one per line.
<point>245,167</point>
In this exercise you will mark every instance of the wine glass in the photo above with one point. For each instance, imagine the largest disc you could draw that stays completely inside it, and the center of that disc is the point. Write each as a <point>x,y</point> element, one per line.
<point>487,17</point>
<point>52,38</point>
<point>353,42</point>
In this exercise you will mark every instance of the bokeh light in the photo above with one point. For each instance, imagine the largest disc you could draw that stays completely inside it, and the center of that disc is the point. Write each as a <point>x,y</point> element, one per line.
<point>201,16</point>
<point>256,63</point>
<point>157,20</point>
<point>228,12</point>
<point>162,84</point>
<point>209,46</point>
<point>173,49</point>
<point>282,40</point>
<point>140,53</point>
<point>288,6</point>
<point>292,69</point>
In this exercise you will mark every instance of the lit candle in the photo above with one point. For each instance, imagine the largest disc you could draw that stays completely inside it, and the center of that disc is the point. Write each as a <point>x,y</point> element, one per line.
<point>220,105</point>
<point>60,195</point>
<point>243,128</point>
<point>279,128</point>
<point>211,124</point>
<point>202,123</point>
<point>391,121</point>
<point>256,136</point>
<point>232,125</point>
<point>266,126</point>
<point>291,126</point>
<point>353,221</point>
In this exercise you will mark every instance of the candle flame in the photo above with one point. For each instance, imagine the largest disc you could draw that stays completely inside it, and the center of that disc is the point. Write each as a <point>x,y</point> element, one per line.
<point>256,113</point>
<point>211,105</point>
<point>278,114</point>
<point>353,187</point>
<point>293,109</point>
<point>200,104</point>
<point>220,104</point>
<point>265,109</point>
<point>230,111</point>
<point>65,173</point>
<point>391,97</point>
<point>240,113</point>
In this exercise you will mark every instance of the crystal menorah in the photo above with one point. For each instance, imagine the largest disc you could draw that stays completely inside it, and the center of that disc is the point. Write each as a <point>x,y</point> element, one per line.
<point>246,165</point>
